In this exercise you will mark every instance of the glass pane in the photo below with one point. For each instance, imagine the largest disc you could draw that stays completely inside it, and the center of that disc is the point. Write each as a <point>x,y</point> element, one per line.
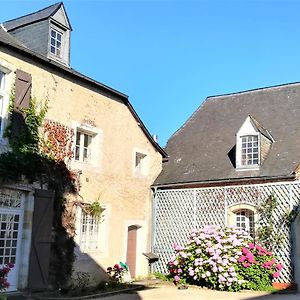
<point>58,45</point>
<point>59,37</point>
<point>86,137</point>
<point>52,49</point>
<point>85,154</point>
<point>77,153</point>
<point>78,138</point>
<point>2,80</point>
<point>53,33</point>
<point>52,42</point>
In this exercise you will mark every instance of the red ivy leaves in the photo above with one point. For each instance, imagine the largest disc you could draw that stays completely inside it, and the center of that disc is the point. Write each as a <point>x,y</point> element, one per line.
<point>58,140</point>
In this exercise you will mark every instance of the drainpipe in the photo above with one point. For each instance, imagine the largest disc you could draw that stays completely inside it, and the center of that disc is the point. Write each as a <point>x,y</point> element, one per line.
<point>153,229</point>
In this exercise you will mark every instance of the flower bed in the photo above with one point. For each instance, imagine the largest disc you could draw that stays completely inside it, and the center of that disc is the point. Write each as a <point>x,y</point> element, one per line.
<point>224,259</point>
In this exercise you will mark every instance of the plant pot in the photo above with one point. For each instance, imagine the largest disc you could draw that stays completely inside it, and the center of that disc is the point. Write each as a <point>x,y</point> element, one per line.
<point>284,286</point>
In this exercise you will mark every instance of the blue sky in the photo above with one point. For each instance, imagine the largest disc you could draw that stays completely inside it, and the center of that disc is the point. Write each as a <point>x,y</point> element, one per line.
<point>168,56</point>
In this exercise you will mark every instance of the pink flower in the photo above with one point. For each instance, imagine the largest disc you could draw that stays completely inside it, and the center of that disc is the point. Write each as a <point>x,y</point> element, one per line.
<point>279,267</point>
<point>276,275</point>
<point>245,250</point>
<point>251,246</point>
<point>246,265</point>
<point>176,278</point>
<point>242,258</point>
<point>267,265</point>
<point>10,265</point>
<point>250,257</point>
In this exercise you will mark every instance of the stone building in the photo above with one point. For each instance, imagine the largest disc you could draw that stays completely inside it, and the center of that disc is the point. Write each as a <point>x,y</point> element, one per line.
<point>235,152</point>
<point>111,149</point>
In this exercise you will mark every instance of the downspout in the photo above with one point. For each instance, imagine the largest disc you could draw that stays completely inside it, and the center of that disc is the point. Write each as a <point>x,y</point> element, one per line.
<point>153,229</point>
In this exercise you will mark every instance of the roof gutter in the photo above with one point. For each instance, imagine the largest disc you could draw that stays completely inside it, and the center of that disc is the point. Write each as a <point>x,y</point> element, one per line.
<point>231,181</point>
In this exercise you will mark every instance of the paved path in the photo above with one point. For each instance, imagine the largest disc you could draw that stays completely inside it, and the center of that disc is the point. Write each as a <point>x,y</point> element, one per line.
<point>166,292</point>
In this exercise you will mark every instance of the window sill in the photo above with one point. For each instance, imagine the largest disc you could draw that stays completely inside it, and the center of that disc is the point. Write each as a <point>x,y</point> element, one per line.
<point>248,168</point>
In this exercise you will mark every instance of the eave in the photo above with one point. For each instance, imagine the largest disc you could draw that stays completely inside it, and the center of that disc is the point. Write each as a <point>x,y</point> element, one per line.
<point>224,182</point>
<point>87,80</point>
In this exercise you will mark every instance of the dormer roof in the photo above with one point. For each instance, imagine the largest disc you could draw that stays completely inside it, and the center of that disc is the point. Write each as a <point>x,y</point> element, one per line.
<point>261,129</point>
<point>37,16</point>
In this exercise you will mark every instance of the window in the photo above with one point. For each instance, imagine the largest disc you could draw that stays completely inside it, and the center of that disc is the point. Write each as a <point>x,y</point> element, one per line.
<point>56,42</point>
<point>140,163</point>
<point>2,94</point>
<point>83,146</point>
<point>249,150</point>
<point>89,232</point>
<point>244,219</point>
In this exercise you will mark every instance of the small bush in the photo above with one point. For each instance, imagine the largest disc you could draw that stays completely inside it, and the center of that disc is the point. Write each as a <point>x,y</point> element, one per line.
<point>223,259</point>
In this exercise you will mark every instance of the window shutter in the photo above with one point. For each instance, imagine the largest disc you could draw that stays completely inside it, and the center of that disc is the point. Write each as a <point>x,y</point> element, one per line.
<point>22,98</point>
<point>41,240</point>
<point>23,90</point>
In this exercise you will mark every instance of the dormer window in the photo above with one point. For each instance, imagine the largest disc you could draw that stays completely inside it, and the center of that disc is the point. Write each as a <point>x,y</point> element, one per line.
<point>250,152</point>
<point>56,42</point>
<point>253,144</point>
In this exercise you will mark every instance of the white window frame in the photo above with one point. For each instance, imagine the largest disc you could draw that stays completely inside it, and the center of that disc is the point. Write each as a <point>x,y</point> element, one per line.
<point>140,163</point>
<point>3,95</point>
<point>82,148</point>
<point>96,157</point>
<point>58,51</point>
<point>250,157</point>
<point>5,69</point>
<point>245,219</point>
<point>251,217</point>
<point>89,232</point>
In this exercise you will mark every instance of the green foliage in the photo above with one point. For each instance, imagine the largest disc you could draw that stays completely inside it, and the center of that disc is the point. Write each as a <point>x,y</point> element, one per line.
<point>26,161</point>
<point>223,259</point>
<point>29,138</point>
<point>96,210</point>
<point>163,277</point>
<point>267,232</point>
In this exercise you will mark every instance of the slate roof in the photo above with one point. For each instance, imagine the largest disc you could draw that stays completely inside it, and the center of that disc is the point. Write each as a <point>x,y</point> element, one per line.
<point>203,149</point>
<point>33,17</point>
<point>8,38</point>
<point>261,129</point>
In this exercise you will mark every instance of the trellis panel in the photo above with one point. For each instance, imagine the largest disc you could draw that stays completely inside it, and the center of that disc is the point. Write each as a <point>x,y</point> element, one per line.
<point>177,212</point>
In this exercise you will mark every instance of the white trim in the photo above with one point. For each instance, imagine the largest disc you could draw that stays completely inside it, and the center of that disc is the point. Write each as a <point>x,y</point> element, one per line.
<point>103,236</point>
<point>7,69</point>
<point>96,147</point>
<point>143,171</point>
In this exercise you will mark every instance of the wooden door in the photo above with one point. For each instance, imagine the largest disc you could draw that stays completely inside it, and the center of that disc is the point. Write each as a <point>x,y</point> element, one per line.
<point>131,249</point>
<point>41,240</point>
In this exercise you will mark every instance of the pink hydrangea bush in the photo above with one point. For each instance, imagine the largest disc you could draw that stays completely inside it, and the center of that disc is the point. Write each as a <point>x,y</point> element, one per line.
<point>220,258</point>
<point>258,266</point>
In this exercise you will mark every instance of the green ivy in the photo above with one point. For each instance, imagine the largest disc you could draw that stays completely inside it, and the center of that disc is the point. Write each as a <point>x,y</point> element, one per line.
<point>26,161</point>
<point>267,232</point>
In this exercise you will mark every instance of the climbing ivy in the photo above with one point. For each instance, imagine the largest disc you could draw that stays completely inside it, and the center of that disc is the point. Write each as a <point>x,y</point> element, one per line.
<point>267,233</point>
<point>25,161</point>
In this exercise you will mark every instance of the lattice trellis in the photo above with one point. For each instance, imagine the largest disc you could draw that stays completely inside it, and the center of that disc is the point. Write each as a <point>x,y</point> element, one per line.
<point>177,212</point>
